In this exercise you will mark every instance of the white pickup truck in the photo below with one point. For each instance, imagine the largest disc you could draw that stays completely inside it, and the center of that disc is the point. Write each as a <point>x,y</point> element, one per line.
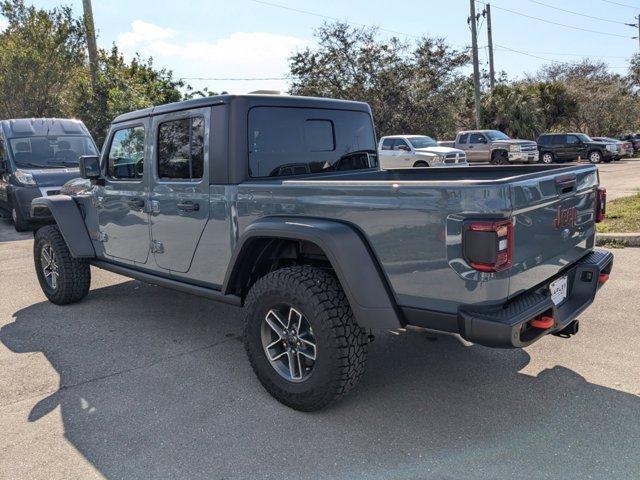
<point>417,151</point>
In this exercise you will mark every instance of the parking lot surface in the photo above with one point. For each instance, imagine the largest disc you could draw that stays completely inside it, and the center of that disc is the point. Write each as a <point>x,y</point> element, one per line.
<point>621,178</point>
<point>141,382</point>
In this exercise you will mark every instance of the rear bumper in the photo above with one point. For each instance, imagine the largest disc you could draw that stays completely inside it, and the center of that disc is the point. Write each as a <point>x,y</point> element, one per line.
<point>508,325</point>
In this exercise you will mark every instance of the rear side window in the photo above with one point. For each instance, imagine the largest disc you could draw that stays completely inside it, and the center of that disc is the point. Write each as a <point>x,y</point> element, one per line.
<point>463,138</point>
<point>558,139</point>
<point>181,149</point>
<point>544,140</point>
<point>387,143</point>
<point>287,141</point>
<point>126,154</point>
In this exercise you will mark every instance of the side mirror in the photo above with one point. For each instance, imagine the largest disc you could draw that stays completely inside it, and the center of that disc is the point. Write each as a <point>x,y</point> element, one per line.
<point>90,167</point>
<point>404,148</point>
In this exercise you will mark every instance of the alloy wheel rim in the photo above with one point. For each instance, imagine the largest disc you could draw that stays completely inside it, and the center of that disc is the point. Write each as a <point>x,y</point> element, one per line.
<point>289,343</point>
<point>595,157</point>
<point>49,266</point>
<point>546,158</point>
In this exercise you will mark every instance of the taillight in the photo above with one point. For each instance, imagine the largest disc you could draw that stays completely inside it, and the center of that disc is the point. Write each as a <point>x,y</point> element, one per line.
<point>601,204</point>
<point>488,245</point>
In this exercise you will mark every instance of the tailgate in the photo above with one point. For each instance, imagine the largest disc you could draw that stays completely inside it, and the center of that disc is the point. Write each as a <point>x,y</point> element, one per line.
<point>554,224</point>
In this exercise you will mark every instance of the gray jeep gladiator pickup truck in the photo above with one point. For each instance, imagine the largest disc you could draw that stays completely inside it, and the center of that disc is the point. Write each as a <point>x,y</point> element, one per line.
<point>277,204</point>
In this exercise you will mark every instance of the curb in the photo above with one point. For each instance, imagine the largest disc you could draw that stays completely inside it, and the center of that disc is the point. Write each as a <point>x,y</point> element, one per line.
<point>626,239</point>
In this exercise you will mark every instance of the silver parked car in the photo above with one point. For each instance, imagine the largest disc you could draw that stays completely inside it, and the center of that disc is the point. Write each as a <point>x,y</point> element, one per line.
<point>417,151</point>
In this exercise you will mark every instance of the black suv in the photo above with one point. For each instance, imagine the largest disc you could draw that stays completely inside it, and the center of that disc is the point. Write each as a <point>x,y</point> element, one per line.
<point>563,147</point>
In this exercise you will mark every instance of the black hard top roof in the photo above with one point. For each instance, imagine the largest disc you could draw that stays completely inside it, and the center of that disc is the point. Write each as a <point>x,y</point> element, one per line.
<point>249,101</point>
<point>35,127</point>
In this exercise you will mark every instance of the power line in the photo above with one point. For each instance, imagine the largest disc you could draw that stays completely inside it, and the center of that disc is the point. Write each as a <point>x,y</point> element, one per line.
<point>336,19</point>
<point>234,79</point>
<point>556,23</point>
<point>528,54</point>
<point>581,14</point>
<point>621,4</point>
<point>575,54</point>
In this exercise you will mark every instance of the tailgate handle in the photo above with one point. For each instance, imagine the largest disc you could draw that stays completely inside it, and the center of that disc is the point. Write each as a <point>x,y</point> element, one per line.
<point>566,184</point>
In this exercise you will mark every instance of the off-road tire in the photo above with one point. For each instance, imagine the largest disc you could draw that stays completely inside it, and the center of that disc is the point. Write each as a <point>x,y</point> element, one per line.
<point>341,343</point>
<point>74,274</point>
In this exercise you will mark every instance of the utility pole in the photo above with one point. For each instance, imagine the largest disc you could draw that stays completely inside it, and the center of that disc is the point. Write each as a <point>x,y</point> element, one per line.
<point>492,74</point>
<point>91,41</point>
<point>476,68</point>
<point>639,30</point>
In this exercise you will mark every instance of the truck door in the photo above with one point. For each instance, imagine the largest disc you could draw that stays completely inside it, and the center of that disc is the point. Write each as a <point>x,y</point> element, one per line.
<point>479,148</point>
<point>121,202</point>
<point>179,186</point>
<point>404,155</point>
<point>574,148</point>
<point>386,153</point>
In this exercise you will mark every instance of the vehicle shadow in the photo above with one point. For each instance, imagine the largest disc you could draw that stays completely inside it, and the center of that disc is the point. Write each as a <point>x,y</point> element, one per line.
<point>9,234</point>
<point>155,384</point>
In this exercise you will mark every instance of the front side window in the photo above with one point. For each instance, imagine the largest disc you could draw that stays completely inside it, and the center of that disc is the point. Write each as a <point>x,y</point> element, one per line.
<point>126,154</point>
<point>287,141</point>
<point>572,140</point>
<point>477,138</point>
<point>181,149</point>
<point>52,151</point>
<point>401,145</point>
<point>387,143</point>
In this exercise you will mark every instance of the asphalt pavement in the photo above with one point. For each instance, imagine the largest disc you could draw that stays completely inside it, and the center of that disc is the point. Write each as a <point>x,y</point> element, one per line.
<point>137,381</point>
<point>622,178</point>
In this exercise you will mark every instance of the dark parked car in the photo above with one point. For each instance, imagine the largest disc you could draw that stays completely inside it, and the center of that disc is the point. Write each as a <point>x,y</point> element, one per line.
<point>634,138</point>
<point>625,148</point>
<point>248,200</point>
<point>569,147</point>
<point>37,156</point>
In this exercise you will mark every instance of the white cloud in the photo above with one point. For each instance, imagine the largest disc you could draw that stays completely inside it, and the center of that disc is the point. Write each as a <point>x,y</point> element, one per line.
<point>3,24</point>
<point>239,55</point>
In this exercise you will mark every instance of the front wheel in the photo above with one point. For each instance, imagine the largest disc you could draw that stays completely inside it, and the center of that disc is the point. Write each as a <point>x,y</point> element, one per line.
<point>63,278</point>
<point>19,222</point>
<point>301,338</point>
<point>420,165</point>
<point>595,157</point>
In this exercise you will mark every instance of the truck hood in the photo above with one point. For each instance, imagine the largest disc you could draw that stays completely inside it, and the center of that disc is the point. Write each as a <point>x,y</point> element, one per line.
<point>52,177</point>
<point>439,150</point>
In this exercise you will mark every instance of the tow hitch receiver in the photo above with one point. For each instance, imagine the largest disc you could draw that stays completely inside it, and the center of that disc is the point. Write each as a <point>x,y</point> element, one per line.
<point>543,322</point>
<point>569,330</point>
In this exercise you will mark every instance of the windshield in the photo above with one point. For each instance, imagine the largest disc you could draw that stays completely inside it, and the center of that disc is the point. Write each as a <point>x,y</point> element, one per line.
<point>422,142</point>
<point>496,135</point>
<point>50,151</point>
<point>583,137</point>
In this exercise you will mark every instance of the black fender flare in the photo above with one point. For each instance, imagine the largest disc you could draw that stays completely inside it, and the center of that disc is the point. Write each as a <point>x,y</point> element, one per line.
<point>67,216</point>
<point>353,261</point>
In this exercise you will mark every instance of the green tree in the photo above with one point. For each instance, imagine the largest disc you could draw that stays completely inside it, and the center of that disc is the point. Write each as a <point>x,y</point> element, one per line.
<point>411,88</point>
<point>42,56</point>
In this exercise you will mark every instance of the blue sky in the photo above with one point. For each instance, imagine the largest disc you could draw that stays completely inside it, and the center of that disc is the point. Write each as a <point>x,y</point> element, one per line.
<point>249,39</point>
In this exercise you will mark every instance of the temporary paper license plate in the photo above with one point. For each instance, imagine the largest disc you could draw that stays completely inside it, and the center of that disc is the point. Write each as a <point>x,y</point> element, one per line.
<point>558,289</point>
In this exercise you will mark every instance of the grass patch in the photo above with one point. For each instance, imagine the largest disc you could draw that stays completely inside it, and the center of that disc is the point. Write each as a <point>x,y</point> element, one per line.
<point>623,216</point>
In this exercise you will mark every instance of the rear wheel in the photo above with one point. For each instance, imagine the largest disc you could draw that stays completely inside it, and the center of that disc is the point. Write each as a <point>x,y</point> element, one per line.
<point>547,157</point>
<point>595,156</point>
<point>301,338</point>
<point>63,278</point>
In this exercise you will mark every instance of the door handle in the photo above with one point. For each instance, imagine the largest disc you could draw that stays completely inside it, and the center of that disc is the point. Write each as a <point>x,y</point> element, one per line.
<point>136,203</point>
<point>189,206</point>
